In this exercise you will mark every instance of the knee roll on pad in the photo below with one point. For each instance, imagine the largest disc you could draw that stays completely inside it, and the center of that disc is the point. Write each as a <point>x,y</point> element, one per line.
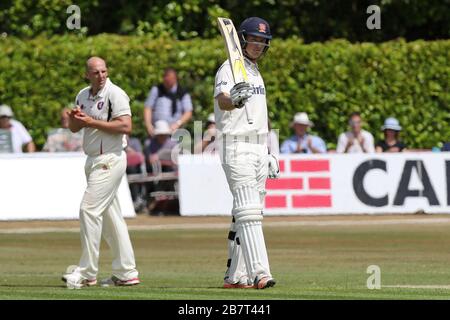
<point>248,205</point>
<point>248,215</point>
<point>246,199</point>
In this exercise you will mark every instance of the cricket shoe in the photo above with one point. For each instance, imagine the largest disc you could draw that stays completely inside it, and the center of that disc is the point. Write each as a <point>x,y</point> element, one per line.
<point>265,282</point>
<point>114,281</point>
<point>242,284</point>
<point>74,279</point>
<point>227,285</point>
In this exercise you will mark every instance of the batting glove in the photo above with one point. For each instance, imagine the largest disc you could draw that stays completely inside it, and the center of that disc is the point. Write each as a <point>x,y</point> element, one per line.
<point>240,93</point>
<point>274,167</point>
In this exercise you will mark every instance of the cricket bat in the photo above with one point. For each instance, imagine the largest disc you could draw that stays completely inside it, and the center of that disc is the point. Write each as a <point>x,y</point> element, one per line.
<point>234,52</point>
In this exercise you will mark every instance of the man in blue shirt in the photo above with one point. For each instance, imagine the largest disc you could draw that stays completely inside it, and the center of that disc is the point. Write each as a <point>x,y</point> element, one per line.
<point>301,141</point>
<point>167,101</point>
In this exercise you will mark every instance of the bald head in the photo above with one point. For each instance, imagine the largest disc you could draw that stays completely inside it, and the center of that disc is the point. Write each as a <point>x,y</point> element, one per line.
<point>96,73</point>
<point>93,62</point>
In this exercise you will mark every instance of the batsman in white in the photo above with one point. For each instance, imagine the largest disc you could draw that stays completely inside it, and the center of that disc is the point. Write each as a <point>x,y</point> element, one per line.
<point>245,158</point>
<point>103,110</point>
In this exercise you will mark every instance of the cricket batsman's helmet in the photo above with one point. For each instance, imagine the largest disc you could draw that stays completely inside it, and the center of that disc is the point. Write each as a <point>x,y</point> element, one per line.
<point>256,27</point>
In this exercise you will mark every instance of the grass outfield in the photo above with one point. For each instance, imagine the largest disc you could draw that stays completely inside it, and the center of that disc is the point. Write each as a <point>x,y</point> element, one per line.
<point>308,261</point>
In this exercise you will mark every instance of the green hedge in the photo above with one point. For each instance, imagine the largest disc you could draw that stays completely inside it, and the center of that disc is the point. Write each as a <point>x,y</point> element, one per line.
<point>328,80</point>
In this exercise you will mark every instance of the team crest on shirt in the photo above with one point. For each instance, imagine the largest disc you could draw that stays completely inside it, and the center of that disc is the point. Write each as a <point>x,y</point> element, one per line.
<point>100,105</point>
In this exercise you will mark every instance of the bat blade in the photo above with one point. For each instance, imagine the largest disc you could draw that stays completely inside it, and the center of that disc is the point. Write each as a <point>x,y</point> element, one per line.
<point>234,53</point>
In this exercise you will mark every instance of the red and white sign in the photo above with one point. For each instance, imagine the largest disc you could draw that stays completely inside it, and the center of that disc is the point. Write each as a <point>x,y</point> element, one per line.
<point>303,184</point>
<point>327,184</point>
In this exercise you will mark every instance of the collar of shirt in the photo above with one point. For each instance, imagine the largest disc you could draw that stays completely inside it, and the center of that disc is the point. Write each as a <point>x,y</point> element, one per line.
<point>251,65</point>
<point>102,92</point>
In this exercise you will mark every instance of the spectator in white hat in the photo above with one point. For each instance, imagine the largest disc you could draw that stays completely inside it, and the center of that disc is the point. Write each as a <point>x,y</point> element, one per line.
<point>391,142</point>
<point>302,141</point>
<point>357,139</point>
<point>158,152</point>
<point>19,134</point>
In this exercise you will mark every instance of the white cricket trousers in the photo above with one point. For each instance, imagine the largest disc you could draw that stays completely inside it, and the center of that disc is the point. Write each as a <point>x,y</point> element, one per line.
<point>246,168</point>
<point>100,214</point>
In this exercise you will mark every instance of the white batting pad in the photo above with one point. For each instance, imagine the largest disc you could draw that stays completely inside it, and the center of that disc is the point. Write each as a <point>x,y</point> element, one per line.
<point>246,197</point>
<point>236,271</point>
<point>253,249</point>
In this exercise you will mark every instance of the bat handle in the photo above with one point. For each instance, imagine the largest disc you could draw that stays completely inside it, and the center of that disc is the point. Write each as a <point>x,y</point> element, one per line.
<point>249,118</point>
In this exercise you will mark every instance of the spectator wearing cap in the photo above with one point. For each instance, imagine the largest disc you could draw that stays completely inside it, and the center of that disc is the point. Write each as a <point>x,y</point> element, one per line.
<point>302,141</point>
<point>158,153</point>
<point>357,140</point>
<point>19,134</point>
<point>391,142</point>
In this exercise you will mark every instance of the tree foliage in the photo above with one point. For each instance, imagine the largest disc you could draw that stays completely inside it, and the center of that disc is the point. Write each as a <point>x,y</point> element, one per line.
<point>408,80</point>
<point>311,20</point>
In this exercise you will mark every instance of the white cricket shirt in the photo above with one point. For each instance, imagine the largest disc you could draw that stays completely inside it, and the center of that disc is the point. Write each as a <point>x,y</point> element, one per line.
<point>96,142</point>
<point>356,147</point>
<point>235,122</point>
